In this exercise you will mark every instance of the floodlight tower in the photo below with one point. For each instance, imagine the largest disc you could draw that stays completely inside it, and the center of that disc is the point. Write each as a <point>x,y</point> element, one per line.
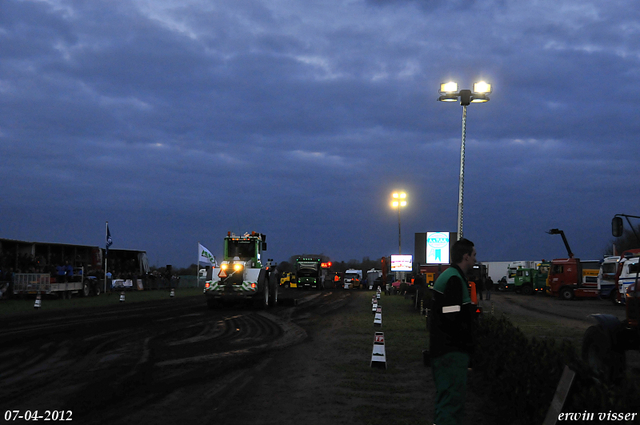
<point>449,93</point>
<point>399,200</point>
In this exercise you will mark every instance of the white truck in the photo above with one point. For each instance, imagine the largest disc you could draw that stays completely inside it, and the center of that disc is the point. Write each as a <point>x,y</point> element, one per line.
<point>607,276</point>
<point>628,274</point>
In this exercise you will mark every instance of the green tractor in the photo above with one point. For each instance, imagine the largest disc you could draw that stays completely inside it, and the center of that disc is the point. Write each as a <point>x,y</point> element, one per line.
<point>243,275</point>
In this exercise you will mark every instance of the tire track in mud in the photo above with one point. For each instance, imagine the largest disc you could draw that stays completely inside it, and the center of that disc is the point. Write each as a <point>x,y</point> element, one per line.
<point>133,366</point>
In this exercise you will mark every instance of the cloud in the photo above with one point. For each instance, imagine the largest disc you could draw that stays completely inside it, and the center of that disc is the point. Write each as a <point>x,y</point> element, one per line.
<point>298,119</point>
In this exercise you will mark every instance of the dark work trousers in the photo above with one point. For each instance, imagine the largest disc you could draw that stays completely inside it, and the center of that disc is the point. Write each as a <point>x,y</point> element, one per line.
<point>450,377</point>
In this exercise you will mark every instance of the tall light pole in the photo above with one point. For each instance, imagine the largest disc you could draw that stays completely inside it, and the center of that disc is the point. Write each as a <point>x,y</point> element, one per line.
<point>399,200</point>
<point>449,93</point>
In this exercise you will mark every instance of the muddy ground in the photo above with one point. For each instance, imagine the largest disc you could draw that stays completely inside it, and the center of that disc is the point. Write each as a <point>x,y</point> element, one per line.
<point>182,363</point>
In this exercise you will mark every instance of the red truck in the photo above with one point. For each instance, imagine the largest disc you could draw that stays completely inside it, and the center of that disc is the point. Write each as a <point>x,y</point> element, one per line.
<point>571,278</point>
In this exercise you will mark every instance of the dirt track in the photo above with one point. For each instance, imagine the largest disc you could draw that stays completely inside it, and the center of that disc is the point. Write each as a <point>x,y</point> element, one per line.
<point>177,362</point>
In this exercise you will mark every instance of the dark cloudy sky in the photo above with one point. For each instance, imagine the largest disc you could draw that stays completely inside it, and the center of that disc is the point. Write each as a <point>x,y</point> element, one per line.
<point>177,121</point>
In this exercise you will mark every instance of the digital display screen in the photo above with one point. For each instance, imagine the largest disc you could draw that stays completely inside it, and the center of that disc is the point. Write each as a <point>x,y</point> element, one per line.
<point>438,247</point>
<point>401,263</point>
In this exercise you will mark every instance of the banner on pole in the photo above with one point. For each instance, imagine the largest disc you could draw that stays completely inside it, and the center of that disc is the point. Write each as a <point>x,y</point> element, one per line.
<point>109,241</point>
<point>205,256</point>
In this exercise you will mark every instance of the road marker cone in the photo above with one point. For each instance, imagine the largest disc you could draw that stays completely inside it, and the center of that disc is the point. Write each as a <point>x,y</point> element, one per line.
<point>38,302</point>
<point>172,293</point>
<point>377,320</point>
<point>122,296</point>
<point>378,356</point>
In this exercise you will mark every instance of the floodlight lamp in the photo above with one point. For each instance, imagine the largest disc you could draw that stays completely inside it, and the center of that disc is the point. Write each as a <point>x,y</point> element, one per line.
<point>481,87</point>
<point>449,87</point>
<point>403,203</point>
<point>394,204</point>
<point>480,98</point>
<point>448,98</point>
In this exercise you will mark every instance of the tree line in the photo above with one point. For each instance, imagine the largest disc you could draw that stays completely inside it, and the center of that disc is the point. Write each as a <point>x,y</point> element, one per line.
<point>628,240</point>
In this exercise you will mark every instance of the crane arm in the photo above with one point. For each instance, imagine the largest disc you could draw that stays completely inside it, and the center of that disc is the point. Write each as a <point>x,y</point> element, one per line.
<point>564,239</point>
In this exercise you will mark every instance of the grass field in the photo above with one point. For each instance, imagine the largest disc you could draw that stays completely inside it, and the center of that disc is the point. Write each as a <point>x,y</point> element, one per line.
<point>18,306</point>
<point>391,396</point>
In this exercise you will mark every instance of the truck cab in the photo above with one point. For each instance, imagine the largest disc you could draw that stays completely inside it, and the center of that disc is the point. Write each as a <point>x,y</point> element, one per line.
<point>608,275</point>
<point>531,280</point>
<point>627,277</point>
<point>570,278</point>
<point>309,272</point>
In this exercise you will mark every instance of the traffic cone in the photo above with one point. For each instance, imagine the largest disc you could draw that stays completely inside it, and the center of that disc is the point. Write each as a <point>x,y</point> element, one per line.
<point>122,296</point>
<point>38,302</point>
<point>172,293</point>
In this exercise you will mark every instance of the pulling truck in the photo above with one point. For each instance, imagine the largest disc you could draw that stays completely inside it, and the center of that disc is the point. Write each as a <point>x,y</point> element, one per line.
<point>309,272</point>
<point>571,278</point>
<point>605,343</point>
<point>243,275</point>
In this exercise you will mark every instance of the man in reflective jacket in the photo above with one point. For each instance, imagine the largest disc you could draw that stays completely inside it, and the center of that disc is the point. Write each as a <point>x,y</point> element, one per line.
<point>451,336</point>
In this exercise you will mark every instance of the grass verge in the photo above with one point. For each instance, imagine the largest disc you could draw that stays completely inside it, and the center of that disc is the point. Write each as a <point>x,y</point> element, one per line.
<point>25,305</point>
<point>391,396</point>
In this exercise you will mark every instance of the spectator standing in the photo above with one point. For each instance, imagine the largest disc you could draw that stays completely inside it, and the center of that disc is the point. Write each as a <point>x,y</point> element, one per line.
<point>479,287</point>
<point>451,335</point>
<point>488,287</point>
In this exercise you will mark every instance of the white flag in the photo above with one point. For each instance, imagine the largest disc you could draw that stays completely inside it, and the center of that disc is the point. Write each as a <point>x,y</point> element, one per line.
<point>205,256</point>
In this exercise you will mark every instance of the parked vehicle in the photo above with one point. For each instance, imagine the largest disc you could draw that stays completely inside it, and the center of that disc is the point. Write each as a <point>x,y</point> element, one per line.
<point>352,279</point>
<point>528,281</point>
<point>309,272</point>
<point>605,343</point>
<point>571,278</point>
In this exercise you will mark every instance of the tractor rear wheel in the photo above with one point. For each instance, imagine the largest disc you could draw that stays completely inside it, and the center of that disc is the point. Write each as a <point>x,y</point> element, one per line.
<point>263,285</point>
<point>527,289</point>
<point>598,352</point>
